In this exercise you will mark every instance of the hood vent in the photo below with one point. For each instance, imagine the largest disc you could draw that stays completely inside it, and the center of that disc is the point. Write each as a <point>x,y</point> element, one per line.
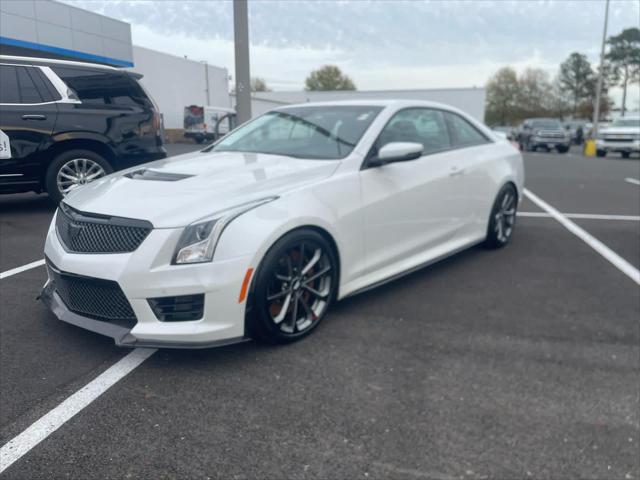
<point>146,174</point>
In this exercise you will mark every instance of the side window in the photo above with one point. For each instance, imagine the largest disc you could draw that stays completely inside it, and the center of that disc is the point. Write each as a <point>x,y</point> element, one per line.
<point>464,134</point>
<point>44,86</point>
<point>9,92</point>
<point>420,125</point>
<point>28,91</point>
<point>20,84</point>
<point>103,88</point>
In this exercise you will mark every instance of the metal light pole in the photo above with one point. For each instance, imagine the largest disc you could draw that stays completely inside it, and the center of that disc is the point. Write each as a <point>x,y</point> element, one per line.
<point>243,75</point>
<point>596,109</point>
<point>206,79</point>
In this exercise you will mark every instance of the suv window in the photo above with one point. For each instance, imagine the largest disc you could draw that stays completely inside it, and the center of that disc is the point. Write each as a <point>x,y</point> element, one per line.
<point>420,125</point>
<point>103,88</point>
<point>464,134</point>
<point>28,91</point>
<point>23,85</point>
<point>9,92</point>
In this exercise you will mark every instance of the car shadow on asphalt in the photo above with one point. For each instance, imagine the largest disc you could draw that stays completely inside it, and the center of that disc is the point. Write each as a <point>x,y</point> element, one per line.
<point>26,203</point>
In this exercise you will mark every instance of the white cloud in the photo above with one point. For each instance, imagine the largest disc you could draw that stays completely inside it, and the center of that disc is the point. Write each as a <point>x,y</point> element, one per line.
<point>380,44</point>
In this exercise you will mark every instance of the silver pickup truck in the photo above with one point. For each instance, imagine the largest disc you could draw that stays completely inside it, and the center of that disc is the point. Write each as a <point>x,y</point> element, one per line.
<point>623,135</point>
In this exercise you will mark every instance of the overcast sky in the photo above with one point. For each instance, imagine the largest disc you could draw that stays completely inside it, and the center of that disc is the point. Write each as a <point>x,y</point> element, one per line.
<point>380,44</point>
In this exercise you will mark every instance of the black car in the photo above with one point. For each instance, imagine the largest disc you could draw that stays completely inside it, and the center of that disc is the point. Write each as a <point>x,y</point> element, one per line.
<point>546,133</point>
<point>69,123</point>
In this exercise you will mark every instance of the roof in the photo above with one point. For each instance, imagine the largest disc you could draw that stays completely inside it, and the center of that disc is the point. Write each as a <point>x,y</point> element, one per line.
<point>49,61</point>
<point>374,103</point>
<point>67,63</point>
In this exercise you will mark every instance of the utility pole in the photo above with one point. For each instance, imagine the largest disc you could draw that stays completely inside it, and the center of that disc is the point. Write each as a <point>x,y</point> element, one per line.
<point>206,79</point>
<point>243,75</point>
<point>596,109</point>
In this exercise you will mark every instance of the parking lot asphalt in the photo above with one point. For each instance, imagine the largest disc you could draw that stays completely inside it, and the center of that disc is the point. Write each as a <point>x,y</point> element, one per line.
<point>518,363</point>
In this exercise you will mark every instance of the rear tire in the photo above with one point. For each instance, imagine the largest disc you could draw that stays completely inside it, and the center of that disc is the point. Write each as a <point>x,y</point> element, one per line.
<point>502,221</point>
<point>563,149</point>
<point>601,153</point>
<point>294,287</point>
<point>625,154</point>
<point>84,164</point>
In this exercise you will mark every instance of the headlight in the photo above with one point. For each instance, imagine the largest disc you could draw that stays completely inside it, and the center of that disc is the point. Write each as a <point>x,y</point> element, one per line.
<point>198,241</point>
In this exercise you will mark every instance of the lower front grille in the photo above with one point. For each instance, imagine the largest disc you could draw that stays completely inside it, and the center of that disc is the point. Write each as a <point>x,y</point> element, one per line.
<point>93,297</point>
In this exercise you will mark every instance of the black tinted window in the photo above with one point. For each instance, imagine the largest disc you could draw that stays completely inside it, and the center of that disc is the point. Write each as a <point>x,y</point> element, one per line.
<point>420,125</point>
<point>28,91</point>
<point>44,86</point>
<point>103,88</point>
<point>9,92</point>
<point>464,134</point>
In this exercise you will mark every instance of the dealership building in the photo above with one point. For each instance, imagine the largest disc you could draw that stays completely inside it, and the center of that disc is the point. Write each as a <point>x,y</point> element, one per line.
<point>46,28</point>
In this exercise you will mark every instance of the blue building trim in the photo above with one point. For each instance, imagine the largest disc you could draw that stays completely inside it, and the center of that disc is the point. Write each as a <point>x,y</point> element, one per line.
<point>64,51</point>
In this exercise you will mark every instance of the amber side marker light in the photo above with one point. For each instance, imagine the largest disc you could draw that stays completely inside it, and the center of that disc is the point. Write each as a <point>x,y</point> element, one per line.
<point>245,285</point>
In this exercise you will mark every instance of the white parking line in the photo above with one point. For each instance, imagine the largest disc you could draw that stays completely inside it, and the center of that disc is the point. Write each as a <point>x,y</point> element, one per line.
<point>632,180</point>
<point>28,266</point>
<point>586,216</point>
<point>50,422</point>
<point>615,259</point>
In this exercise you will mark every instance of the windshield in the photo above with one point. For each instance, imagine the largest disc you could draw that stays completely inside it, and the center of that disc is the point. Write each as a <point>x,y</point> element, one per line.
<point>626,122</point>
<point>327,133</point>
<point>551,124</point>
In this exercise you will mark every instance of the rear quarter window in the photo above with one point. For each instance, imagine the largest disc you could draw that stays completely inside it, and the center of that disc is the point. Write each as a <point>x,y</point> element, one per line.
<point>113,89</point>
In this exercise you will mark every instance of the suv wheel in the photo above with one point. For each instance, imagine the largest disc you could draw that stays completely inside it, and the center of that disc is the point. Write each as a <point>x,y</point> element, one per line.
<point>601,153</point>
<point>625,154</point>
<point>72,169</point>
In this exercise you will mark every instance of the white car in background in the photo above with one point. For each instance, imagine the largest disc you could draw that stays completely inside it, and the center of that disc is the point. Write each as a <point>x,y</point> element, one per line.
<point>622,135</point>
<point>257,235</point>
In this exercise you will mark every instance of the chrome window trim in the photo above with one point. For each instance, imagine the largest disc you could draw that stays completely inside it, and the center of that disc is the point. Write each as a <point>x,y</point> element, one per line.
<point>55,80</point>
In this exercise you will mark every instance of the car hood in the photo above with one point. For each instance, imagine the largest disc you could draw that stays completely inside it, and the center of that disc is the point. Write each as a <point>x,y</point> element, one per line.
<point>621,130</point>
<point>178,191</point>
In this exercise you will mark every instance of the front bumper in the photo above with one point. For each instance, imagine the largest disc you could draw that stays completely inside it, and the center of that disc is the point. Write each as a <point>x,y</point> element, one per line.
<point>630,146</point>
<point>550,142</point>
<point>148,273</point>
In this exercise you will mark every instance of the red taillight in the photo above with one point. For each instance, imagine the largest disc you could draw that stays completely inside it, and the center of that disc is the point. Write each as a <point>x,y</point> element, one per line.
<point>156,121</point>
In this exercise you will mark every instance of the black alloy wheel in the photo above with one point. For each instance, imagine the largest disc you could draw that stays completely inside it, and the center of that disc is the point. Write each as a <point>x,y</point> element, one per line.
<point>296,284</point>
<point>503,217</point>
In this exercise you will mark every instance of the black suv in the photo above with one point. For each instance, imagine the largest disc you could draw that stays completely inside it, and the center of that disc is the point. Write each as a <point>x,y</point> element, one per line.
<point>68,123</point>
<point>546,133</point>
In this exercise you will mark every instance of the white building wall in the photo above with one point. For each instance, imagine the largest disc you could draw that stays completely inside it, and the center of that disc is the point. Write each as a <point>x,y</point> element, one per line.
<point>176,82</point>
<point>469,100</point>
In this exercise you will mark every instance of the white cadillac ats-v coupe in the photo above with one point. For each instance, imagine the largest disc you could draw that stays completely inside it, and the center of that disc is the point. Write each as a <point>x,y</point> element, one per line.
<point>258,234</point>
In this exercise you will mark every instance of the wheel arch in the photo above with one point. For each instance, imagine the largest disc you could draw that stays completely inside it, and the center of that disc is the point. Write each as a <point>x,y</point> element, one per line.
<point>93,145</point>
<point>308,226</point>
<point>258,264</point>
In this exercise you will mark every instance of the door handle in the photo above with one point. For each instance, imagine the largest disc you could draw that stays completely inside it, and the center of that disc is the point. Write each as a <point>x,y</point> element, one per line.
<point>34,117</point>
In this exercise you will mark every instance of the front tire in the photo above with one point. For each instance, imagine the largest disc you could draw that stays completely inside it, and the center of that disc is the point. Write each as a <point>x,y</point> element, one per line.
<point>502,221</point>
<point>563,149</point>
<point>294,287</point>
<point>72,169</point>
<point>601,153</point>
<point>625,154</point>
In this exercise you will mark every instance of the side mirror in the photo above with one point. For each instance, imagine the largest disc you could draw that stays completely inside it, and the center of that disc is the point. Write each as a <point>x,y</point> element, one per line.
<point>398,152</point>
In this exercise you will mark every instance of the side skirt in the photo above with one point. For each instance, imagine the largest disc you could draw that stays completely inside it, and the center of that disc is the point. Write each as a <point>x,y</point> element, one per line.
<point>413,269</point>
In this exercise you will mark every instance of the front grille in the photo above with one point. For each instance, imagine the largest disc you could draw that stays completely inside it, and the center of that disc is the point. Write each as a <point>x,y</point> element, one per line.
<point>178,309</point>
<point>90,233</point>
<point>92,297</point>
<point>550,134</point>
